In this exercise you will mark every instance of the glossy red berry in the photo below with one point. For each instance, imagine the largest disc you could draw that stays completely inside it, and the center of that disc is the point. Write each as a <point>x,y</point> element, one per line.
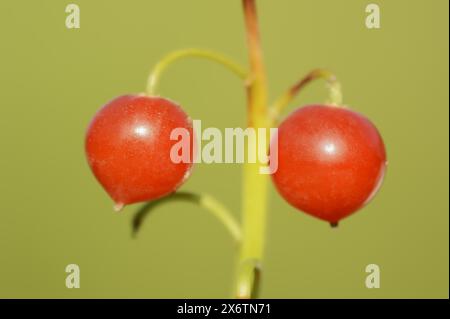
<point>128,148</point>
<point>331,161</point>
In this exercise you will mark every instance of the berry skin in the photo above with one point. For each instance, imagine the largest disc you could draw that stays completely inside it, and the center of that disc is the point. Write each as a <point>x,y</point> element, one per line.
<point>331,161</point>
<point>128,148</point>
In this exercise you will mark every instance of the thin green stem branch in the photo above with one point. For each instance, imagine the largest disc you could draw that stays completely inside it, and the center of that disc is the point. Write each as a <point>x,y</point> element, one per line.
<point>165,62</point>
<point>205,201</point>
<point>335,97</point>
<point>221,212</point>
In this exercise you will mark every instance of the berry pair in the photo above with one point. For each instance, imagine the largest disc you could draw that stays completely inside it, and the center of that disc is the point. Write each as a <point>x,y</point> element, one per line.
<point>331,160</point>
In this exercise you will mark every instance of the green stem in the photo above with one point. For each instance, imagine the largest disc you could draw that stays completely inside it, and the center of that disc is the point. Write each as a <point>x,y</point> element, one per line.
<point>155,75</point>
<point>203,200</point>
<point>335,97</point>
<point>254,206</point>
<point>249,278</point>
<point>222,213</point>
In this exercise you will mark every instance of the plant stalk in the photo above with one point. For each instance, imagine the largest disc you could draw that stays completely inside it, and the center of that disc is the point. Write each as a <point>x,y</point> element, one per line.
<point>254,197</point>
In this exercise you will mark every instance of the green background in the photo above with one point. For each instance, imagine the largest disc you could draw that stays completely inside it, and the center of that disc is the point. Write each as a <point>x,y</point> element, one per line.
<point>54,213</point>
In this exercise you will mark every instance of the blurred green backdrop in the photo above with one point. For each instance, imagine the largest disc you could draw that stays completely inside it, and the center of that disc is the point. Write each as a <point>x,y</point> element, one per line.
<point>54,213</point>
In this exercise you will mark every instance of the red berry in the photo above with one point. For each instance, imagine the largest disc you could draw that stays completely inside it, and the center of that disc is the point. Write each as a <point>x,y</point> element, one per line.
<point>331,161</point>
<point>128,148</point>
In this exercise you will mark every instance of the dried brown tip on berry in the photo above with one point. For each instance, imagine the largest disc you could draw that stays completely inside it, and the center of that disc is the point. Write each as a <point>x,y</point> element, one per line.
<point>334,224</point>
<point>118,207</point>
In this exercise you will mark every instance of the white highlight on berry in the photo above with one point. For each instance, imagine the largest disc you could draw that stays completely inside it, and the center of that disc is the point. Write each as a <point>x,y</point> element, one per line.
<point>330,148</point>
<point>141,131</point>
